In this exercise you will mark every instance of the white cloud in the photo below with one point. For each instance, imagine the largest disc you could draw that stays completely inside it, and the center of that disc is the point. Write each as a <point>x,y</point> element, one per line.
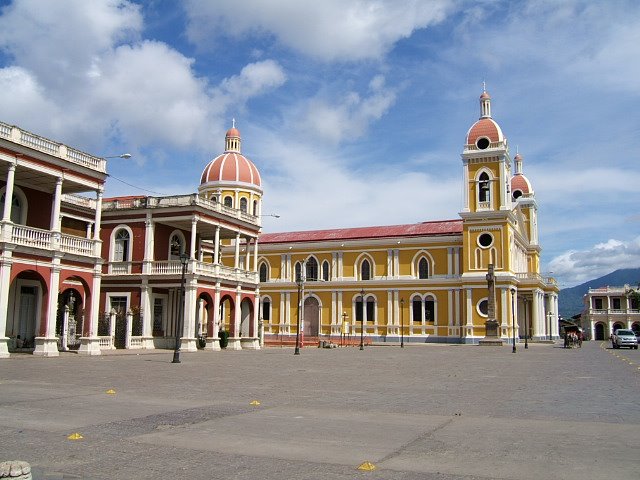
<point>577,266</point>
<point>81,66</point>
<point>349,116</point>
<point>329,30</point>
<point>317,189</point>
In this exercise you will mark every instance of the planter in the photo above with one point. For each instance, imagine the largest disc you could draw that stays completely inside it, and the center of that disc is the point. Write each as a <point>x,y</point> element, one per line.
<point>224,338</point>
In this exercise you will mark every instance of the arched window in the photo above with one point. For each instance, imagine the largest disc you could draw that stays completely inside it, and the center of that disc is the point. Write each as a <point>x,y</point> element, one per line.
<point>263,272</point>
<point>255,208</point>
<point>16,215</point>
<point>243,205</point>
<point>325,271</point>
<point>365,270</point>
<point>312,270</point>
<point>429,309</point>
<point>484,188</point>
<point>266,309</point>
<point>121,246</point>
<point>214,198</point>
<point>176,247</point>
<point>371,309</point>
<point>298,271</point>
<point>228,201</point>
<point>416,309</point>
<point>423,268</point>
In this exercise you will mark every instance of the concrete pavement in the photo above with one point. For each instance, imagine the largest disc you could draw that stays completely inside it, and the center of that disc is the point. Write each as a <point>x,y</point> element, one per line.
<point>425,411</point>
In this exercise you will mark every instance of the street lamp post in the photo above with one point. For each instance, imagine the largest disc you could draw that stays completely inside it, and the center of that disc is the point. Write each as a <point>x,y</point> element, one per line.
<point>362,321</point>
<point>513,318</point>
<point>402,323</point>
<point>300,282</point>
<point>184,259</point>
<point>526,324</point>
<point>126,156</point>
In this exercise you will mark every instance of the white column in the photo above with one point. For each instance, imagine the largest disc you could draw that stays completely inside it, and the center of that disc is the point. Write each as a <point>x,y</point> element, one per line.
<point>8,198</point>
<point>465,186</point>
<point>147,315</point>
<point>236,260</point>
<point>98,216</point>
<point>46,342</point>
<point>450,307</point>
<point>216,247</point>
<point>90,343</point>
<point>192,247</point>
<point>255,255</point>
<point>188,341</point>
<point>148,244</point>
<point>55,208</point>
<point>535,314</point>
<point>505,203</point>
<point>5,282</point>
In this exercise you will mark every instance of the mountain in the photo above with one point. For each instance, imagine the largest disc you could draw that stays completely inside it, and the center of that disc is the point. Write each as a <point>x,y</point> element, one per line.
<point>570,299</point>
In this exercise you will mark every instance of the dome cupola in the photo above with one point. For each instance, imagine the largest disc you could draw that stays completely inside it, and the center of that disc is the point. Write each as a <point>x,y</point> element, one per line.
<point>485,131</point>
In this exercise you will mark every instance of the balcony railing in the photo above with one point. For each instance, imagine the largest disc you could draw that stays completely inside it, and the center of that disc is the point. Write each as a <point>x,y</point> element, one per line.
<point>536,277</point>
<point>42,144</point>
<point>46,240</point>
<point>79,200</point>
<point>179,201</point>
<point>174,268</point>
<point>614,311</point>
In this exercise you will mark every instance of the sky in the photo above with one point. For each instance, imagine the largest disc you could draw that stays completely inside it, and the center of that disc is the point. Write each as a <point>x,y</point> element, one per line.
<point>355,112</point>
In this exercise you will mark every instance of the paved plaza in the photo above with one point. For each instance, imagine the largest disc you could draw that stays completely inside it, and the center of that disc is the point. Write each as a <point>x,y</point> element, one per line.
<point>422,412</point>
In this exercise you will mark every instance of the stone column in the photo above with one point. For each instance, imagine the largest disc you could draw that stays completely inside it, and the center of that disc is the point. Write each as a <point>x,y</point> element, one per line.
<point>46,342</point>
<point>234,342</point>
<point>55,208</point>
<point>90,342</point>
<point>216,247</point>
<point>98,215</point>
<point>213,342</point>
<point>192,246</point>
<point>5,282</point>
<point>255,255</point>
<point>236,259</point>
<point>8,197</point>
<point>147,315</point>
<point>188,340</point>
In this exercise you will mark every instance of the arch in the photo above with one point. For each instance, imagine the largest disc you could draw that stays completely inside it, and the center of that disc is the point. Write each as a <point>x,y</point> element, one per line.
<point>416,267</point>
<point>297,271</point>
<point>423,308</point>
<point>599,331</point>
<point>484,188</point>
<point>69,317</point>
<point>177,245</point>
<point>246,316</point>
<point>326,271</point>
<point>311,323</point>
<point>121,243</point>
<point>226,314</point>
<point>264,271</point>
<point>360,312</point>
<point>265,308</point>
<point>255,208</point>
<point>617,325</point>
<point>311,269</point>
<point>19,205</point>
<point>27,307</point>
<point>228,201</point>
<point>204,315</point>
<point>365,267</point>
<point>244,206</point>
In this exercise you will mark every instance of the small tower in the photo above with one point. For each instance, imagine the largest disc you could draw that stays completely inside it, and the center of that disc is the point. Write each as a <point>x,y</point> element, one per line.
<point>232,179</point>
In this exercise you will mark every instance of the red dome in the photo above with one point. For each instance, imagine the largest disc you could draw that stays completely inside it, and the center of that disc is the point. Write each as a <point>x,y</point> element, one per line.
<point>233,132</point>
<point>520,182</point>
<point>485,127</point>
<point>231,167</point>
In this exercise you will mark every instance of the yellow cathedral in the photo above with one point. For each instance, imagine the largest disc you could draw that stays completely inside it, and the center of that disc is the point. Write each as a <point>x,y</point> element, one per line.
<point>417,283</point>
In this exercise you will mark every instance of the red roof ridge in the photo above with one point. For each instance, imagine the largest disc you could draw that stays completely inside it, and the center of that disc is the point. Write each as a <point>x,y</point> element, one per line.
<point>438,227</point>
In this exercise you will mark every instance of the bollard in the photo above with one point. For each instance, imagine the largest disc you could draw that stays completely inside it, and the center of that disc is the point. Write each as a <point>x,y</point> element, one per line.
<point>15,470</point>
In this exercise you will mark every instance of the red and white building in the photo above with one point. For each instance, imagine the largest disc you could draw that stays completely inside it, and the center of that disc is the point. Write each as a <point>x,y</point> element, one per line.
<point>146,243</point>
<point>50,248</point>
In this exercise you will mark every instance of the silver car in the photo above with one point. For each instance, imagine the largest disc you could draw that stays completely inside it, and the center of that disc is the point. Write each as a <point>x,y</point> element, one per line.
<point>624,338</point>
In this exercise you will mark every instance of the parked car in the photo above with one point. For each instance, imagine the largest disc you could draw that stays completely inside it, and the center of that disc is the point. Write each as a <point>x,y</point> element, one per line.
<point>624,338</point>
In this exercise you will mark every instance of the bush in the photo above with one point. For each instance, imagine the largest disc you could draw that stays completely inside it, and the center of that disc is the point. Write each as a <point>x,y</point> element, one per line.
<point>223,335</point>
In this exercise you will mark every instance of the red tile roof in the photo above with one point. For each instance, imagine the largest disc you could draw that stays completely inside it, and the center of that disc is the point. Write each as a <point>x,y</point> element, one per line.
<point>446,227</point>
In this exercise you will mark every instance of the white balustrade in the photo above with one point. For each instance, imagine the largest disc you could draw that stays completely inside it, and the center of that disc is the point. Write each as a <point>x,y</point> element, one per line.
<point>78,245</point>
<point>119,268</point>
<point>106,342</point>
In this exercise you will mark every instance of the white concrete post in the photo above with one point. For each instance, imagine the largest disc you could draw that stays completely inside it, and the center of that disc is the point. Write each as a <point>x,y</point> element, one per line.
<point>216,247</point>
<point>236,260</point>
<point>8,197</point>
<point>5,277</point>
<point>129,329</point>
<point>98,216</point>
<point>46,344</point>
<point>55,208</point>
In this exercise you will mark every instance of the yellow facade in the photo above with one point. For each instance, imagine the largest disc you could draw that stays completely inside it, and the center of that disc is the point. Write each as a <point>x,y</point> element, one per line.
<point>424,282</point>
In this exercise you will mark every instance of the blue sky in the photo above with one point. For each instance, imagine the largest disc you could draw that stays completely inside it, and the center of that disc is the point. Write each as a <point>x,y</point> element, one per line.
<point>355,112</point>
